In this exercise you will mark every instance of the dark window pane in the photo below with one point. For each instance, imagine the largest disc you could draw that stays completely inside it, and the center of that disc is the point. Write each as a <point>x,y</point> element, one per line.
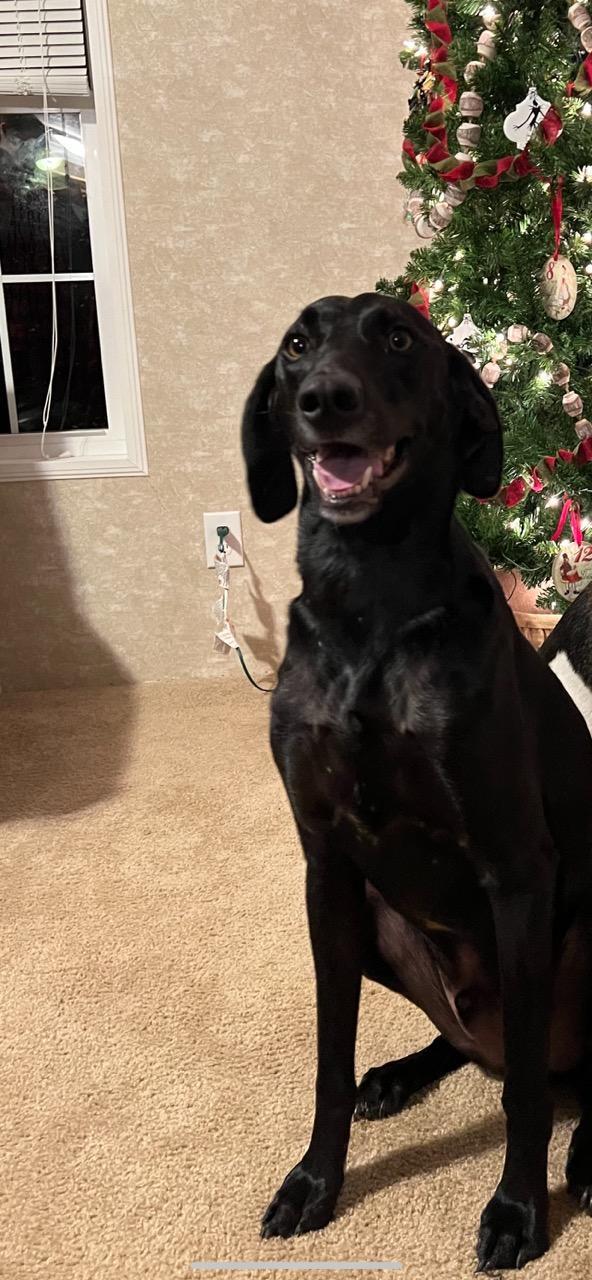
<point>24,224</point>
<point>78,395</point>
<point>4,419</point>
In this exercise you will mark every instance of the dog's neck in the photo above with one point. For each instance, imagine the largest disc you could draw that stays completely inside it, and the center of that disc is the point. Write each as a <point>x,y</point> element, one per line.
<point>399,565</point>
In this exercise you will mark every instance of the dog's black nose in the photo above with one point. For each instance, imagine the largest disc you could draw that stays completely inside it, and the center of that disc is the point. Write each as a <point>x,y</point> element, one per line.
<point>331,395</point>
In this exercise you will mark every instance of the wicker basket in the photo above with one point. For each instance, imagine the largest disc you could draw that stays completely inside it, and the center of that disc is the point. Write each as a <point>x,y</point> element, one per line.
<point>537,627</point>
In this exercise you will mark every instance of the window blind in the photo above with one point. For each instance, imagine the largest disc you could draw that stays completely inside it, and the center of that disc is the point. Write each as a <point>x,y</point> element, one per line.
<point>54,28</point>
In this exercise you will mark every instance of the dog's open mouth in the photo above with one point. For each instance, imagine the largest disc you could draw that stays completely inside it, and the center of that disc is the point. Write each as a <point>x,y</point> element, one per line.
<point>349,477</point>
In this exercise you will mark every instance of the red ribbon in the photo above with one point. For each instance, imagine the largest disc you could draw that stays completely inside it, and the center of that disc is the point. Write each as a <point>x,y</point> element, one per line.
<point>514,492</point>
<point>571,509</point>
<point>557,213</point>
<point>420,298</point>
<point>551,126</point>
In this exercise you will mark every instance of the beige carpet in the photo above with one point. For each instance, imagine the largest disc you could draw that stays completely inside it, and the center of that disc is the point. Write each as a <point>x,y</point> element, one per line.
<point>157,1025</point>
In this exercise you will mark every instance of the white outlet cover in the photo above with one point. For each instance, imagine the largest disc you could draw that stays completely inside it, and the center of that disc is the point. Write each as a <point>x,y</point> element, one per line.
<point>212,519</point>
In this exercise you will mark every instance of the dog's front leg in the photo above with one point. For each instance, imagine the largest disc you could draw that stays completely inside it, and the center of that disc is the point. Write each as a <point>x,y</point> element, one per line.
<point>336,907</point>
<point>514,1224</point>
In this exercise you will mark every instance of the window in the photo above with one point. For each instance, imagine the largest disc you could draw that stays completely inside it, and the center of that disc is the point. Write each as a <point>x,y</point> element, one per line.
<point>95,424</point>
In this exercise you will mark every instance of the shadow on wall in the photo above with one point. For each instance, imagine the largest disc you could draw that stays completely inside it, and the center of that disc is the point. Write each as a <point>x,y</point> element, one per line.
<point>266,648</point>
<point>64,748</point>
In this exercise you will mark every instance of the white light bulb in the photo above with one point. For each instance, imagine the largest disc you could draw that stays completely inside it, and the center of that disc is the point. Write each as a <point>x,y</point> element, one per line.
<point>553,502</point>
<point>509,359</point>
<point>422,50</point>
<point>587,237</point>
<point>489,13</point>
<point>587,110</point>
<point>515,525</point>
<point>438,286</point>
<point>410,45</point>
<point>453,322</point>
<point>543,378</point>
<point>459,255</point>
<point>588,269</point>
<point>485,279</point>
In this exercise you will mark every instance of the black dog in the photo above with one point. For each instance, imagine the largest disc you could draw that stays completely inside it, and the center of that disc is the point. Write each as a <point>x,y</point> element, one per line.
<point>429,755</point>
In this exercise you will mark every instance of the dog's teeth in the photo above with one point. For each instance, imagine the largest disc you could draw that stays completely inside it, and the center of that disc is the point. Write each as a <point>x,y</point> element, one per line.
<point>367,477</point>
<point>389,453</point>
<point>356,489</point>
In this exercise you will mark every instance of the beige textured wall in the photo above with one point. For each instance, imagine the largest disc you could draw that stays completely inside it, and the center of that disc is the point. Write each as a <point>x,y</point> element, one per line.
<point>260,144</point>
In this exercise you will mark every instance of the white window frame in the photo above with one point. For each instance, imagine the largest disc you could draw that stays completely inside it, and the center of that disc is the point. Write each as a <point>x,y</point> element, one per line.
<point>120,449</point>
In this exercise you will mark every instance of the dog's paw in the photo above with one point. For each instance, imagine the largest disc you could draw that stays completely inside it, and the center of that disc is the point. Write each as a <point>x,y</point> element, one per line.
<point>304,1202</point>
<point>579,1167</point>
<point>381,1092</point>
<point>512,1233</point>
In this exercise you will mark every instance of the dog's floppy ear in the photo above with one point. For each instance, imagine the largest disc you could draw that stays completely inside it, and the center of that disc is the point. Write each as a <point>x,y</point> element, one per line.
<point>481,443</point>
<point>266,450</point>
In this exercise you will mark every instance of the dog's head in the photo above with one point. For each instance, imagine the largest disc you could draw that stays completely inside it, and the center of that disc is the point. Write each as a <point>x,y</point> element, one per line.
<point>372,401</point>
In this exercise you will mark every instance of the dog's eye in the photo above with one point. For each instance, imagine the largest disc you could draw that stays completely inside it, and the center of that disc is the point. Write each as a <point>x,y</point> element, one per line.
<point>295,346</point>
<point>400,340</point>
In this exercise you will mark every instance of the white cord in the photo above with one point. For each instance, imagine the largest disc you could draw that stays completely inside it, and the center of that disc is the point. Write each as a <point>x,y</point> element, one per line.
<point>50,214</point>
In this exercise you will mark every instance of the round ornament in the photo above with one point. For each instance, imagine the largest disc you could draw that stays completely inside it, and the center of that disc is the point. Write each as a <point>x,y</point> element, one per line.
<point>441,215</point>
<point>455,195</point>
<point>561,375</point>
<point>578,16</point>
<point>517,333</point>
<point>573,404</point>
<point>468,134</point>
<point>583,429</point>
<point>572,569</point>
<point>559,287</point>
<point>471,70</point>
<point>471,104</point>
<point>486,44</point>
<point>542,343</point>
<point>491,373</point>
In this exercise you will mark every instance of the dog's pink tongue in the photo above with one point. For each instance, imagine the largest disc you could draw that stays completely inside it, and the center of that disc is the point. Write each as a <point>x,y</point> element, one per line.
<point>341,471</point>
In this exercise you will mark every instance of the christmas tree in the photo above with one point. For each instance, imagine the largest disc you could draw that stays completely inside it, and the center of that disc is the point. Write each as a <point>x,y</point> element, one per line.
<point>498,166</point>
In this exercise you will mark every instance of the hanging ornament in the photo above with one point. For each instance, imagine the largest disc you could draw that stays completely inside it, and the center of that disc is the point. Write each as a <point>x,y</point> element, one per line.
<point>441,215</point>
<point>559,287</point>
<point>572,566</point>
<point>559,284</point>
<point>455,195</point>
<point>468,134</point>
<point>464,331</point>
<point>423,228</point>
<point>520,125</point>
<point>586,38</point>
<point>423,88</point>
<point>583,429</point>
<point>414,204</point>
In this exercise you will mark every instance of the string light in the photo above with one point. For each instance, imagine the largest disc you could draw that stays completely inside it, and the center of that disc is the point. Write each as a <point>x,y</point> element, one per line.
<point>459,255</point>
<point>543,378</point>
<point>515,525</point>
<point>437,286</point>
<point>588,269</point>
<point>587,110</point>
<point>422,50</point>
<point>410,45</point>
<point>489,14</point>
<point>587,237</point>
<point>452,322</point>
<point>553,502</point>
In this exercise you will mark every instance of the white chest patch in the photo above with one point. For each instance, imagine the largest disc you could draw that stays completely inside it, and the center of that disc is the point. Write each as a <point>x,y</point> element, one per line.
<point>580,693</point>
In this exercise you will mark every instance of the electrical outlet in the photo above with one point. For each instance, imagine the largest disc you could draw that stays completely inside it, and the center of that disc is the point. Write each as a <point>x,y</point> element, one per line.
<point>234,541</point>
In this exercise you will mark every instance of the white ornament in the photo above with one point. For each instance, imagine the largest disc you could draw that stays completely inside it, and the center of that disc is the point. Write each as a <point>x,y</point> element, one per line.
<point>572,569</point>
<point>468,135</point>
<point>486,44</point>
<point>559,287</point>
<point>454,195</point>
<point>441,215</point>
<point>572,404</point>
<point>583,429</point>
<point>471,70</point>
<point>491,373</point>
<point>464,331</point>
<point>490,17</point>
<point>518,333</point>
<point>471,104</point>
<point>415,204</point>
<point>520,125</point>
<point>579,16</point>
<point>561,375</point>
<point>423,227</point>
